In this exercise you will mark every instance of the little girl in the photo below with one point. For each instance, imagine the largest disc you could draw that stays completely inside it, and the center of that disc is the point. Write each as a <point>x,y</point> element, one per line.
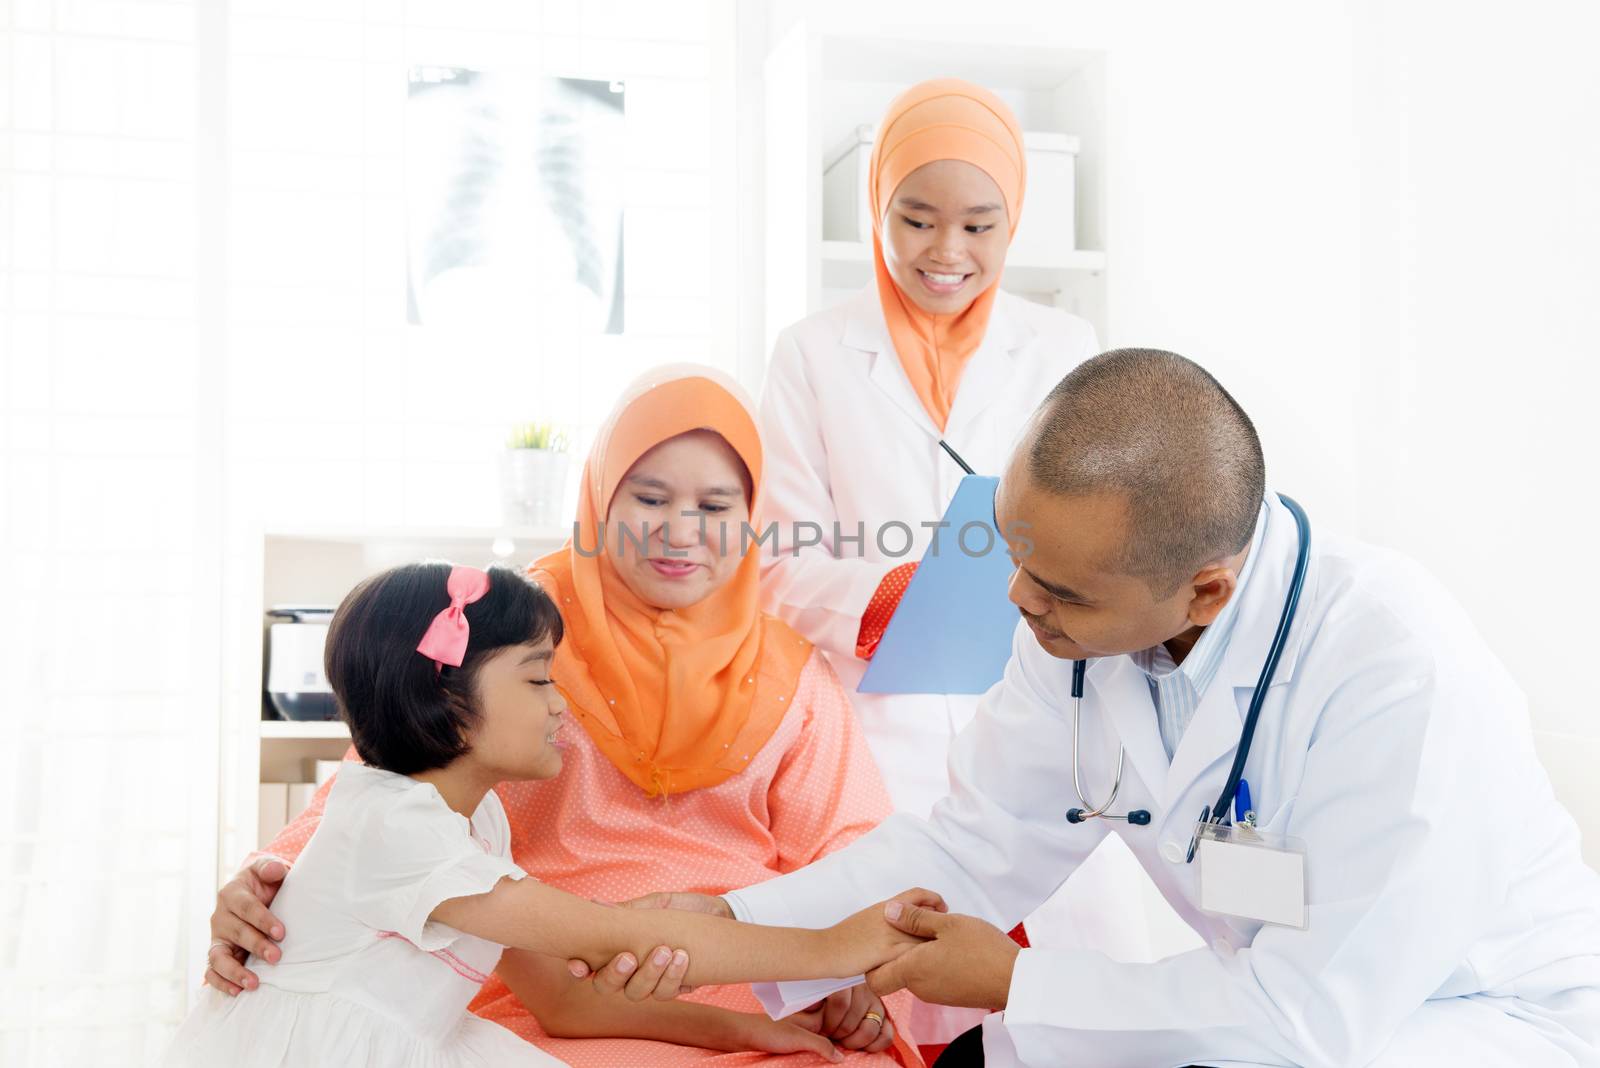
<point>401,902</point>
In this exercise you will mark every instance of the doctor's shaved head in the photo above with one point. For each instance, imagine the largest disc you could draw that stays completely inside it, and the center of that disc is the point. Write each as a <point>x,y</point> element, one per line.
<point>1158,432</point>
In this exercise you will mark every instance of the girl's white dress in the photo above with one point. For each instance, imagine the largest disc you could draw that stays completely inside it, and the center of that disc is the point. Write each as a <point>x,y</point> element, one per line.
<point>365,978</point>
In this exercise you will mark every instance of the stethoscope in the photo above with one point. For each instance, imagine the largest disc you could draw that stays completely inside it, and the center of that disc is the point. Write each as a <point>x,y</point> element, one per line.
<point>1211,813</point>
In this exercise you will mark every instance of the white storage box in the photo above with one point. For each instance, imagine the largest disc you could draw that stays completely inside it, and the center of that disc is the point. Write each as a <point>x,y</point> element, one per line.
<point>1048,230</point>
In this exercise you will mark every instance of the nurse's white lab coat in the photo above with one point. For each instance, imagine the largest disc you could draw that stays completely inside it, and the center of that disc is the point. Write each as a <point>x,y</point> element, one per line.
<point>848,443</point>
<point>1451,919</point>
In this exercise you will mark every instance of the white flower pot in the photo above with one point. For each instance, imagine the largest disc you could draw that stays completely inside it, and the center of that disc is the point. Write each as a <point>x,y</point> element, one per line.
<point>533,485</point>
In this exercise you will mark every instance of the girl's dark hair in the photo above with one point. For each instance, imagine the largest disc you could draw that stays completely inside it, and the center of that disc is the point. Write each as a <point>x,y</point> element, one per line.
<point>405,714</point>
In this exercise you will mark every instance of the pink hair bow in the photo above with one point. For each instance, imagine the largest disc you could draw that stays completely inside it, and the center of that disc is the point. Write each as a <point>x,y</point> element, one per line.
<point>446,640</point>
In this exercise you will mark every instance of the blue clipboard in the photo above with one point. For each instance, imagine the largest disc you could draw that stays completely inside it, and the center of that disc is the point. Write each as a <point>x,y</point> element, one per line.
<point>952,632</point>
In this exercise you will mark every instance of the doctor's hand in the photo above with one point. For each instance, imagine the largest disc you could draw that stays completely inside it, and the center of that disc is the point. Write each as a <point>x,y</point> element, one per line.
<point>866,940</point>
<point>966,962</point>
<point>655,978</point>
<point>241,925</point>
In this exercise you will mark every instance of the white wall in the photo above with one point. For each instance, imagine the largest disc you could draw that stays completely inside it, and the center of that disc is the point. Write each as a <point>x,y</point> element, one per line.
<point>1480,333</point>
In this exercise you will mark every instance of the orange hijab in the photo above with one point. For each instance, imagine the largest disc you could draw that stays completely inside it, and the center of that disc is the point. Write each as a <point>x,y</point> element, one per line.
<point>676,699</point>
<point>941,119</point>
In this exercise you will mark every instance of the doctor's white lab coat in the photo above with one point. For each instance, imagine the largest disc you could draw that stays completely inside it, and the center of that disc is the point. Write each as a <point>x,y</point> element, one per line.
<point>848,443</point>
<point>1451,919</point>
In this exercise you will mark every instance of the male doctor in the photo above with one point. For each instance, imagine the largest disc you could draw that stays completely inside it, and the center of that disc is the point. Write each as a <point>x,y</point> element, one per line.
<point>1442,915</point>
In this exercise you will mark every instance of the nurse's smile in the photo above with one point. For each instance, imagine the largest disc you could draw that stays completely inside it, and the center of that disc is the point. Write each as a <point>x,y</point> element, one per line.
<point>942,283</point>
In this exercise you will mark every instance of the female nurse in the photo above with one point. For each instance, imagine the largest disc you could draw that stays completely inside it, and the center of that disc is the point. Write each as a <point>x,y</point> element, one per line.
<point>858,397</point>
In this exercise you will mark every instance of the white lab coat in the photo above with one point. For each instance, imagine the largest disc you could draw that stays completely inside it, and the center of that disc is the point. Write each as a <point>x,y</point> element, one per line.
<point>1451,919</point>
<point>848,443</point>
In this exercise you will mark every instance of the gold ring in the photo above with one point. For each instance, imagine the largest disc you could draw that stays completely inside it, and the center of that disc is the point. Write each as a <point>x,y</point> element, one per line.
<point>875,1017</point>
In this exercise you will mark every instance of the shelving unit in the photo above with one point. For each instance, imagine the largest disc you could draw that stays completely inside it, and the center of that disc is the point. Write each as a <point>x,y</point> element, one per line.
<point>312,565</point>
<point>846,80</point>
<point>284,730</point>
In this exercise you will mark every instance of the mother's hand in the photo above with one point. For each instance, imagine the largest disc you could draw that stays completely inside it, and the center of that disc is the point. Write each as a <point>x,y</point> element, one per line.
<point>660,976</point>
<point>241,925</point>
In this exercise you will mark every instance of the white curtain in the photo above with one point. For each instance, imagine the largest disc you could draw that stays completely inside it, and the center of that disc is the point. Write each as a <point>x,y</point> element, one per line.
<point>108,514</point>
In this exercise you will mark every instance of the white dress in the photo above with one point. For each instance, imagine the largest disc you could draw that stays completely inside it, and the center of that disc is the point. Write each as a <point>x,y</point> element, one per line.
<point>365,978</point>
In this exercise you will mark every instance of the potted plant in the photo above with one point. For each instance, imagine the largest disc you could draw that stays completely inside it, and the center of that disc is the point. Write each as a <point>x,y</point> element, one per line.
<point>533,471</point>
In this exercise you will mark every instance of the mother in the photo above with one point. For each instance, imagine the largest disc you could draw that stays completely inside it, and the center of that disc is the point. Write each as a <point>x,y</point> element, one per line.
<point>717,747</point>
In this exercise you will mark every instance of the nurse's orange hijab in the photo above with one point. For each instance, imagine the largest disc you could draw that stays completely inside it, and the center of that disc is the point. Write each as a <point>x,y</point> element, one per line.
<point>676,699</point>
<point>941,119</point>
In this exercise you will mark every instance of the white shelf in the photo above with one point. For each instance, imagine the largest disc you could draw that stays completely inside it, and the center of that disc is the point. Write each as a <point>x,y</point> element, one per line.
<point>304,729</point>
<point>848,265</point>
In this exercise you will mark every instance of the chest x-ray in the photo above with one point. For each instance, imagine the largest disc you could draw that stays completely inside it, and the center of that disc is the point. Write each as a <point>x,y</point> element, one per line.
<point>513,199</point>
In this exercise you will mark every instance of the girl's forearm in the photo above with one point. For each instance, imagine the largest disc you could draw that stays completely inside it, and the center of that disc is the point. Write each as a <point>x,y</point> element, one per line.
<point>530,915</point>
<point>724,951</point>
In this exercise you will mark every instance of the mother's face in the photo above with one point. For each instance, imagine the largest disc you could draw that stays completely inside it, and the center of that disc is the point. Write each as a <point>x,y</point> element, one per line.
<point>679,515</point>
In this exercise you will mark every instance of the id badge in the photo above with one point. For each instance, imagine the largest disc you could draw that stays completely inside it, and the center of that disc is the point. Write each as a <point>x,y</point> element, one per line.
<point>1252,875</point>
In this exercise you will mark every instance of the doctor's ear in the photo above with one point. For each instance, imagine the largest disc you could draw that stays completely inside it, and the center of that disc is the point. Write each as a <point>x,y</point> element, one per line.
<point>1212,587</point>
